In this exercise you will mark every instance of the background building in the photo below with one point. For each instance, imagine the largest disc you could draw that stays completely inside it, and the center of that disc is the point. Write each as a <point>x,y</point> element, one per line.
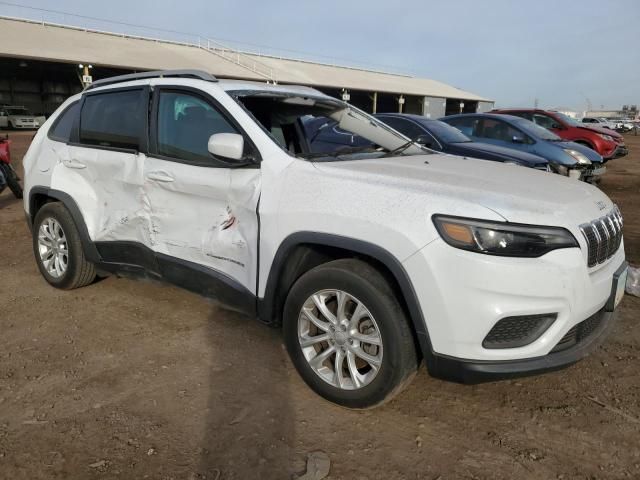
<point>39,68</point>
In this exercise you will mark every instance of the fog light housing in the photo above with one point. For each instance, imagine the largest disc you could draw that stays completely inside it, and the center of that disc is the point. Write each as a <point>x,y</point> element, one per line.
<point>518,331</point>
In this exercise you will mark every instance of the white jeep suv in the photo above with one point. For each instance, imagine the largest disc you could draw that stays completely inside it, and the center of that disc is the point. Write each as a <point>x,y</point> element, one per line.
<point>369,258</point>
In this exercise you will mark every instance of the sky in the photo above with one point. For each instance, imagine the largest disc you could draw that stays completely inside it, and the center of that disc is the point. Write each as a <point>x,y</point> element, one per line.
<point>564,53</point>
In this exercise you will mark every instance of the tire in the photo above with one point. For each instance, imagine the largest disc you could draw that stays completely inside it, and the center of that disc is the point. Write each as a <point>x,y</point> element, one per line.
<point>77,271</point>
<point>12,180</point>
<point>384,320</point>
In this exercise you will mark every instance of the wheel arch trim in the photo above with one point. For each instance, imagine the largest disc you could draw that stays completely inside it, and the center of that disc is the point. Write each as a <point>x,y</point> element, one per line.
<point>267,304</point>
<point>90,250</point>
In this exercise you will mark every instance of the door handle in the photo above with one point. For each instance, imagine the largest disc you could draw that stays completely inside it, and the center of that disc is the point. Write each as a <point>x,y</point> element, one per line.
<point>73,163</point>
<point>160,177</point>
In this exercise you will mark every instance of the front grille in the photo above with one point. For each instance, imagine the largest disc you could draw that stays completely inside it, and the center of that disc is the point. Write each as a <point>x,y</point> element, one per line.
<point>512,332</point>
<point>603,237</point>
<point>579,332</point>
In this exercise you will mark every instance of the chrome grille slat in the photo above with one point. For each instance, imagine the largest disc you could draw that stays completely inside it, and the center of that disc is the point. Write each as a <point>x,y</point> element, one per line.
<point>603,237</point>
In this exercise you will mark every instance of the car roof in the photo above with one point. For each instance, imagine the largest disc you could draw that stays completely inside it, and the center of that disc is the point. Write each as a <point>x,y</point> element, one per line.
<point>228,85</point>
<point>413,116</point>
<point>497,116</point>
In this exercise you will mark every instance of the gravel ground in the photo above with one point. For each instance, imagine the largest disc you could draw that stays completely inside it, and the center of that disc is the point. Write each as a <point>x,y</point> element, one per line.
<point>134,379</point>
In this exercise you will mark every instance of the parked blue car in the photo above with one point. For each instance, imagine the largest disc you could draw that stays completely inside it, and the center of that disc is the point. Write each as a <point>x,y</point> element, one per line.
<point>565,158</point>
<point>439,136</point>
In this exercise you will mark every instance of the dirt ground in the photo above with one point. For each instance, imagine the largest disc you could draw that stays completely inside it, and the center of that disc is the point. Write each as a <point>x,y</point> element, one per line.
<point>132,379</point>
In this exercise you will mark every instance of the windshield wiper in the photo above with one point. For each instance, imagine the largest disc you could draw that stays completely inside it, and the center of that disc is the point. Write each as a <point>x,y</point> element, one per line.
<point>340,151</point>
<point>398,150</point>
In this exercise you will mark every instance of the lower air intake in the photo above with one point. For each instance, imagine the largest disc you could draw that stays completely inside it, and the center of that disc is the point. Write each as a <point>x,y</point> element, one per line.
<point>513,332</point>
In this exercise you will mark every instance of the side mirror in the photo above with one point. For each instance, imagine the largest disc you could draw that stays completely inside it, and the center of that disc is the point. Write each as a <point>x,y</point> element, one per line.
<point>228,146</point>
<point>517,139</point>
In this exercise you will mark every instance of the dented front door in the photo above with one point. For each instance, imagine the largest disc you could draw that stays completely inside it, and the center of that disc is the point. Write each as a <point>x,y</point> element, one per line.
<point>199,213</point>
<point>204,215</point>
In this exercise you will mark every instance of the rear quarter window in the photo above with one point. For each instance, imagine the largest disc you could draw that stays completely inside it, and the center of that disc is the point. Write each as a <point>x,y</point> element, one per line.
<point>113,119</point>
<point>60,131</point>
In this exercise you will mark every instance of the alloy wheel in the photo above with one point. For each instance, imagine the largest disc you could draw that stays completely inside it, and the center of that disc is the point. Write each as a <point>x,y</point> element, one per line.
<point>340,339</point>
<point>53,248</point>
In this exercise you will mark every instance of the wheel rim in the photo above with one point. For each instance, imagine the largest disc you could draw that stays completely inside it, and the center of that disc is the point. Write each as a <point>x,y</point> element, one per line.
<point>53,247</point>
<point>340,339</point>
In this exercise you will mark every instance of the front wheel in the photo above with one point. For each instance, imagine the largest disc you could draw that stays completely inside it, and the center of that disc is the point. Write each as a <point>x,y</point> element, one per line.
<point>347,334</point>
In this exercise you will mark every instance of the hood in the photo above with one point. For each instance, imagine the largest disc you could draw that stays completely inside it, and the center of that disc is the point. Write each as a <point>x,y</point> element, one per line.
<point>495,152</point>
<point>591,154</point>
<point>602,130</point>
<point>448,183</point>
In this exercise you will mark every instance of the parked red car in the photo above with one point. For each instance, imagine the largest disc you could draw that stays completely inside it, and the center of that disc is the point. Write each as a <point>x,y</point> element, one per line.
<point>606,142</point>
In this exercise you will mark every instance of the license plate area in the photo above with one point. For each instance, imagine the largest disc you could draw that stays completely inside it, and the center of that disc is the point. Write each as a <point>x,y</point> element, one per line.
<point>617,287</point>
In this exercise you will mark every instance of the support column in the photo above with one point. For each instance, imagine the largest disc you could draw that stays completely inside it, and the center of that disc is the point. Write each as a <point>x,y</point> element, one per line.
<point>374,98</point>
<point>400,103</point>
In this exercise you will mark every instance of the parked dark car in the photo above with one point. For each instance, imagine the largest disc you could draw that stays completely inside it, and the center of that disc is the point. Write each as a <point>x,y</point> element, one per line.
<point>566,158</point>
<point>444,138</point>
<point>325,135</point>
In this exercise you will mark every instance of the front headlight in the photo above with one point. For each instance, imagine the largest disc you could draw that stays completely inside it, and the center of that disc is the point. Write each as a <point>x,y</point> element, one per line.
<point>608,138</point>
<point>502,238</point>
<point>579,157</point>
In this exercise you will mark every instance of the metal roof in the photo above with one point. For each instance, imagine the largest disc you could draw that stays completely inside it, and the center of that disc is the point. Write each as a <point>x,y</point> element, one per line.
<point>46,41</point>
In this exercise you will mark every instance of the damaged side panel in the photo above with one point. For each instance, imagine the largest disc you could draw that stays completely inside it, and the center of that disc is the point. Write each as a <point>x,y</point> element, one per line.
<point>106,185</point>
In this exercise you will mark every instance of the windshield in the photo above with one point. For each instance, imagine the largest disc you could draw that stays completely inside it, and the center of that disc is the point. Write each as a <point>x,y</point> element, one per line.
<point>567,119</point>
<point>535,130</point>
<point>446,133</point>
<point>17,111</point>
<point>322,128</point>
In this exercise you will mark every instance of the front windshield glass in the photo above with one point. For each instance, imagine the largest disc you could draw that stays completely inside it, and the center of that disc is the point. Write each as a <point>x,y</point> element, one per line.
<point>17,111</point>
<point>446,133</point>
<point>536,131</point>
<point>322,128</point>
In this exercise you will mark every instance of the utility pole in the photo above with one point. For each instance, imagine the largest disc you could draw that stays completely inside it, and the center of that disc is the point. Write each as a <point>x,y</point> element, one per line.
<point>87,79</point>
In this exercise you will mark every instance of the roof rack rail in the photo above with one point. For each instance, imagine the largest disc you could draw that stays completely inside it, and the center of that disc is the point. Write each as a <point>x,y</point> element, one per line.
<point>198,74</point>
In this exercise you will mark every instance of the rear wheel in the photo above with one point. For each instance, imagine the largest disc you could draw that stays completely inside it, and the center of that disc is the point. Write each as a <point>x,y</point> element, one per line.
<point>348,336</point>
<point>58,249</point>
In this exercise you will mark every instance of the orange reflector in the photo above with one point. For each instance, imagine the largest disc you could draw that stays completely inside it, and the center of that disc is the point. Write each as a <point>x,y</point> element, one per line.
<point>459,233</point>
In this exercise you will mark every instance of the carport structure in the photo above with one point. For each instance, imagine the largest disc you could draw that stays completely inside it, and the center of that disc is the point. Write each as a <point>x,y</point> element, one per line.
<point>39,68</point>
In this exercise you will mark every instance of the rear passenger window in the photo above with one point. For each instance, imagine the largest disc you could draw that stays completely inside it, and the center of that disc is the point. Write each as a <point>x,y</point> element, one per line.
<point>113,119</point>
<point>61,129</point>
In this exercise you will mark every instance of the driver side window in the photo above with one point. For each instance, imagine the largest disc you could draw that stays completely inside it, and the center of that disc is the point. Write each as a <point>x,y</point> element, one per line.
<point>185,123</point>
<point>544,121</point>
<point>501,131</point>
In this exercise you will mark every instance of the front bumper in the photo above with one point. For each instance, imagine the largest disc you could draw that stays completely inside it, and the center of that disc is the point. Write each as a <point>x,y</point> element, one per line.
<point>463,295</point>
<point>621,150</point>
<point>470,372</point>
<point>593,173</point>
